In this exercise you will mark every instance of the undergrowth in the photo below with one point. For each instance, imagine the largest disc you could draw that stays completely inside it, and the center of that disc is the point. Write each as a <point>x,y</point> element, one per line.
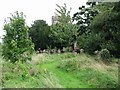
<point>60,71</point>
<point>17,76</point>
<point>82,69</point>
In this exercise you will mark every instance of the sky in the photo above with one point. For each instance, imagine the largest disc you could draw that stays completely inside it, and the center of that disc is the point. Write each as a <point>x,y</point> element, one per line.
<point>35,9</point>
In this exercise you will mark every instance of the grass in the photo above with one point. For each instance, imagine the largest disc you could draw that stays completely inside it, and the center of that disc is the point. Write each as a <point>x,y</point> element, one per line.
<point>87,76</point>
<point>65,79</point>
<point>61,71</point>
<point>0,67</point>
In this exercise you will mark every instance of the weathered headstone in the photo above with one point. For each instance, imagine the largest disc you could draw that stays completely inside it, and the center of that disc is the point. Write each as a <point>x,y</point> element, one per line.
<point>51,51</point>
<point>96,52</point>
<point>33,71</point>
<point>59,51</point>
<point>81,50</point>
<point>37,52</point>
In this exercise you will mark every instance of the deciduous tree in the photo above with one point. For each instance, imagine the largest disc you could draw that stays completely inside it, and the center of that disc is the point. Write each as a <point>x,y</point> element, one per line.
<point>17,44</point>
<point>39,33</point>
<point>64,31</point>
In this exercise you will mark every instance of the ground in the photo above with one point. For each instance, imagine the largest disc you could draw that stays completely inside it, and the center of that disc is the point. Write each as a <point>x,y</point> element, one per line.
<point>66,70</point>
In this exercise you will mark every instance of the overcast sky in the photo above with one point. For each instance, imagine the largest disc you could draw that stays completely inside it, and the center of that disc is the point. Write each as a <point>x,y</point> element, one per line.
<point>35,9</point>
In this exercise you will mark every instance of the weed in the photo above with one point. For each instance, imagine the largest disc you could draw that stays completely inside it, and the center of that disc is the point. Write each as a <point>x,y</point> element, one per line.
<point>75,71</point>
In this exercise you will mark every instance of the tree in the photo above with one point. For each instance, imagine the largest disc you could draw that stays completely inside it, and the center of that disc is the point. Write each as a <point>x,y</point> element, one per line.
<point>17,44</point>
<point>39,33</point>
<point>62,33</point>
<point>85,16</point>
<point>107,25</point>
<point>102,32</point>
<point>63,14</point>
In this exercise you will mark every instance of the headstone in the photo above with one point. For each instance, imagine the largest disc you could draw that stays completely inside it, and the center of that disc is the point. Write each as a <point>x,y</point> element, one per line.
<point>51,52</point>
<point>59,51</point>
<point>37,52</point>
<point>33,71</point>
<point>64,49</point>
<point>44,51</point>
<point>54,51</point>
<point>47,51</point>
<point>81,50</point>
<point>96,52</point>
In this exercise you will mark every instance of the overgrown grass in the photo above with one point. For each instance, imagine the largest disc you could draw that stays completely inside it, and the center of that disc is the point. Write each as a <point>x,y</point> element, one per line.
<point>0,66</point>
<point>17,76</point>
<point>83,69</point>
<point>61,71</point>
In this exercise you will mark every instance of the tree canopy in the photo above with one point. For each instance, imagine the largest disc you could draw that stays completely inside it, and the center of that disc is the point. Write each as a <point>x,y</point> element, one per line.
<point>102,31</point>
<point>62,33</point>
<point>39,33</point>
<point>63,14</point>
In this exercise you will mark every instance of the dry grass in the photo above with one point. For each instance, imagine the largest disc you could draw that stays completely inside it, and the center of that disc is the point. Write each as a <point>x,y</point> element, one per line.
<point>36,59</point>
<point>49,76</point>
<point>37,56</point>
<point>90,62</point>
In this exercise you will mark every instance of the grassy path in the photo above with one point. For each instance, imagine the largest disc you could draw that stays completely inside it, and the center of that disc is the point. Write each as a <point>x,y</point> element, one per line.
<point>86,77</point>
<point>66,79</point>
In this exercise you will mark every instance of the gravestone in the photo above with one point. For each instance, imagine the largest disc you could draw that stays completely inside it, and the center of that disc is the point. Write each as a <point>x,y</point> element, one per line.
<point>81,50</point>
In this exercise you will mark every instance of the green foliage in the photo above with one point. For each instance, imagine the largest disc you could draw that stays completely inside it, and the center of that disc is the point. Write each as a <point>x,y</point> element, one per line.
<point>86,39</point>
<point>84,17</point>
<point>39,33</point>
<point>17,75</point>
<point>17,44</point>
<point>19,70</point>
<point>102,29</point>
<point>59,57</point>
<point>63,14</point>
<point>95,78</point>
<point>69,65</point>
<point>92,43</point>
<point>0,49</point>
<point>105,54</point>
<point>88,75</point>
<point>107,24</point>
<point>66,56</point>
<point>63,32</point>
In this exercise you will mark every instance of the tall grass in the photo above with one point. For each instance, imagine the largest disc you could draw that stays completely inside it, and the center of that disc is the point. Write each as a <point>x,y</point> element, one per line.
<point>0,66</point>
<point>61,71</point>
<point>17,76</point>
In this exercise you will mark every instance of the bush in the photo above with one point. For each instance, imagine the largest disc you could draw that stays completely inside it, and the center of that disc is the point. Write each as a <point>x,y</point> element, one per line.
<point>17,44</point>
<point>89,42</point>
<point>104,54</point>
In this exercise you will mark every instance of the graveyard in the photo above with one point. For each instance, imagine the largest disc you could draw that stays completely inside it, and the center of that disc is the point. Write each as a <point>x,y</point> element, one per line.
<point>60,70</point>
<point>78,50</point>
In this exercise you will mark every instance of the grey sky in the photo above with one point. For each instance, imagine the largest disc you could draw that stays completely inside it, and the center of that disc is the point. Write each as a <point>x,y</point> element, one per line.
<point>35,9</point>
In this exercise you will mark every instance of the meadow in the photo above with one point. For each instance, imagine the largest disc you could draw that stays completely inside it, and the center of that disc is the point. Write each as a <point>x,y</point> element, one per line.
<point>67,70</point>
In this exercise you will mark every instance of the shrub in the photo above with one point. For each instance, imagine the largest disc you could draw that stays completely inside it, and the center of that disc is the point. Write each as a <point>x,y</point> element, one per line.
<point>17,44</point>
<point>104,54</point>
